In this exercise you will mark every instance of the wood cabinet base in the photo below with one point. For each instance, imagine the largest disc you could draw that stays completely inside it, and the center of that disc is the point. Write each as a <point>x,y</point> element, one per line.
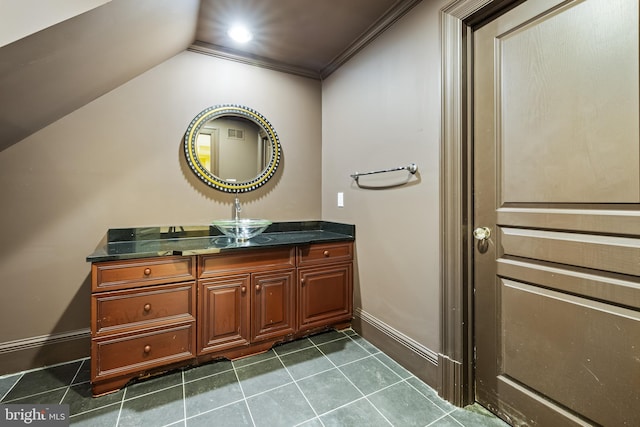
<point>152,315</point>
<point>115,382</point>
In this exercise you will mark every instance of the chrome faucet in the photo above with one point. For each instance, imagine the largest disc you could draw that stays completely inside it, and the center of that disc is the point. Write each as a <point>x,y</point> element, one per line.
<point>237,208</point>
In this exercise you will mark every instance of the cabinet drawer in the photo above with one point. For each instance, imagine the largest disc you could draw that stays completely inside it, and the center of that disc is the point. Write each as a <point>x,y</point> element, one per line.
<point>124,354</point>
<point>141,272</point>
<point>253,261</point>
<point>148,306</point>
<point>324,253</point>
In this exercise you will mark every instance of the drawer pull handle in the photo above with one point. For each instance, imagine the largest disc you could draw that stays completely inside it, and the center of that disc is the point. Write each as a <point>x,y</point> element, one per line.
<point>326,253</point>
<point>147,349</point>
<point>147,271</point>
<point>258,287</point>
<point>243,289</point>
<point>147,307</point>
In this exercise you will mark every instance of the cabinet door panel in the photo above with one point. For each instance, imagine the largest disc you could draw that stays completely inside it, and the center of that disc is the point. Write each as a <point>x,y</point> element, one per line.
<point>273,305</point>
<point>325,295</point>
<point>224,311</point>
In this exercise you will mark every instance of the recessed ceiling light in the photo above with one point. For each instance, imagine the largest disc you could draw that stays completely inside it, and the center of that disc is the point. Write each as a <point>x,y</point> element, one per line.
<point>240,33</point>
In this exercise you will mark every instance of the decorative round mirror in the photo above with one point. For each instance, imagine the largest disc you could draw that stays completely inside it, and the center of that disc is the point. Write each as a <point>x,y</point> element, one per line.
<point>232,148</point>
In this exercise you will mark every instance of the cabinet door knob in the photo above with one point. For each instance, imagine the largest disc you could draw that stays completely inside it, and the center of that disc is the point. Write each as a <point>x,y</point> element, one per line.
<point>258,287</point>
<point>147,307</point>
<point>147,271</point>
<point>147,348</point>
<point>326,253</point>
<point>303,281</point>
<point>243,289</point>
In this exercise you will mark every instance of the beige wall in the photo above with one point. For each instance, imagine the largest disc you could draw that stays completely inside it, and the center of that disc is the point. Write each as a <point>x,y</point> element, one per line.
<point>382,110</point>
<point>117,162</point>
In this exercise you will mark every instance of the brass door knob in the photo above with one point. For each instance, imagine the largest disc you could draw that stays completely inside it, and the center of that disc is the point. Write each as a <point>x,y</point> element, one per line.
<point>482,233</point>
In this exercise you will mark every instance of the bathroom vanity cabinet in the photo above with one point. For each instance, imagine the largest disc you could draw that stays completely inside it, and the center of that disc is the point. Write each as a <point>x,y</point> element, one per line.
<point>153,314</point>
<point>143,316</point>
<point>246,297</point>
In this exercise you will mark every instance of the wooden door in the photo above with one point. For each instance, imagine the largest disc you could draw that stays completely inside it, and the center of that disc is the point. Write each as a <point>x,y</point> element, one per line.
<point>273,305</point>
<point>557,183</point>
<point>223,317</point>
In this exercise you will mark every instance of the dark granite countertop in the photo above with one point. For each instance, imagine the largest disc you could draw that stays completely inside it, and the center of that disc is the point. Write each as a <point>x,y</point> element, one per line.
<point>145,242</point>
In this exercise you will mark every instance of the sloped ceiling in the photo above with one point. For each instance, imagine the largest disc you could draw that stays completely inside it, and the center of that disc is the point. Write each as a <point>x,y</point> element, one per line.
<point>57,70</point>
<point>50,73</point>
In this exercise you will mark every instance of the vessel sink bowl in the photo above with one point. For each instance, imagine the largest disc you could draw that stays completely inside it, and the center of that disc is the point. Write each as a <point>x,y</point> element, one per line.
<point>241,229</point>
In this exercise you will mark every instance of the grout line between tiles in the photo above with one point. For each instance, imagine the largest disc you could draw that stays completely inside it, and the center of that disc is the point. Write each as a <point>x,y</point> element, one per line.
<point>244,396</point>
<point>300,390</point>
<point>42,368</point>
<point>256,362</point>
<point>214,409</point>
<point>444,416</point>
<point>151,392</point>
<point>427,397</point>
<point>71,382</point>
<point>356,387</point>
<point>275,349</point>
<point>210,375</point>
<point>34,394</point>
<point>93,409</point>
<point>11,388</point>
<point>184,400</point>
<point>124,394</point>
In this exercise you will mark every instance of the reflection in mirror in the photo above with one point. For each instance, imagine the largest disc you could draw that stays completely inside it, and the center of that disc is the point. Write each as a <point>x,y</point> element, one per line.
<point>232,148</point>
<point>244,147</point>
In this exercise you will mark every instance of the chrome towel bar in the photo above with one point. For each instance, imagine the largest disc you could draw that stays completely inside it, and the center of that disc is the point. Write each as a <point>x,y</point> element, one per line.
<point>412,168</point>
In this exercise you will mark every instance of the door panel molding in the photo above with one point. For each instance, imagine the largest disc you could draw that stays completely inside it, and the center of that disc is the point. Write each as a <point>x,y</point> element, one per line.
<point>575,352</point>
<point>613,254</point>
<point>591,221</point>
<point>599,285</point>
<point>547,414</point>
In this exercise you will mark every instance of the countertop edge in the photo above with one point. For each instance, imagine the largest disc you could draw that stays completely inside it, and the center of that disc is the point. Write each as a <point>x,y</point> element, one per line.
<point>291,233</point>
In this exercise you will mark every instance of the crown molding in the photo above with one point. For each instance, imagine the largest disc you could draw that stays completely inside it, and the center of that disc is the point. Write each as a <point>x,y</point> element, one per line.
<point>255,60</point>
<point>393,14</point>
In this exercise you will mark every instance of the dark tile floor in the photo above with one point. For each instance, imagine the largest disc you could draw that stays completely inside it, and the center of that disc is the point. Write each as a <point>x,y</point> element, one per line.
<point>331,379</point>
